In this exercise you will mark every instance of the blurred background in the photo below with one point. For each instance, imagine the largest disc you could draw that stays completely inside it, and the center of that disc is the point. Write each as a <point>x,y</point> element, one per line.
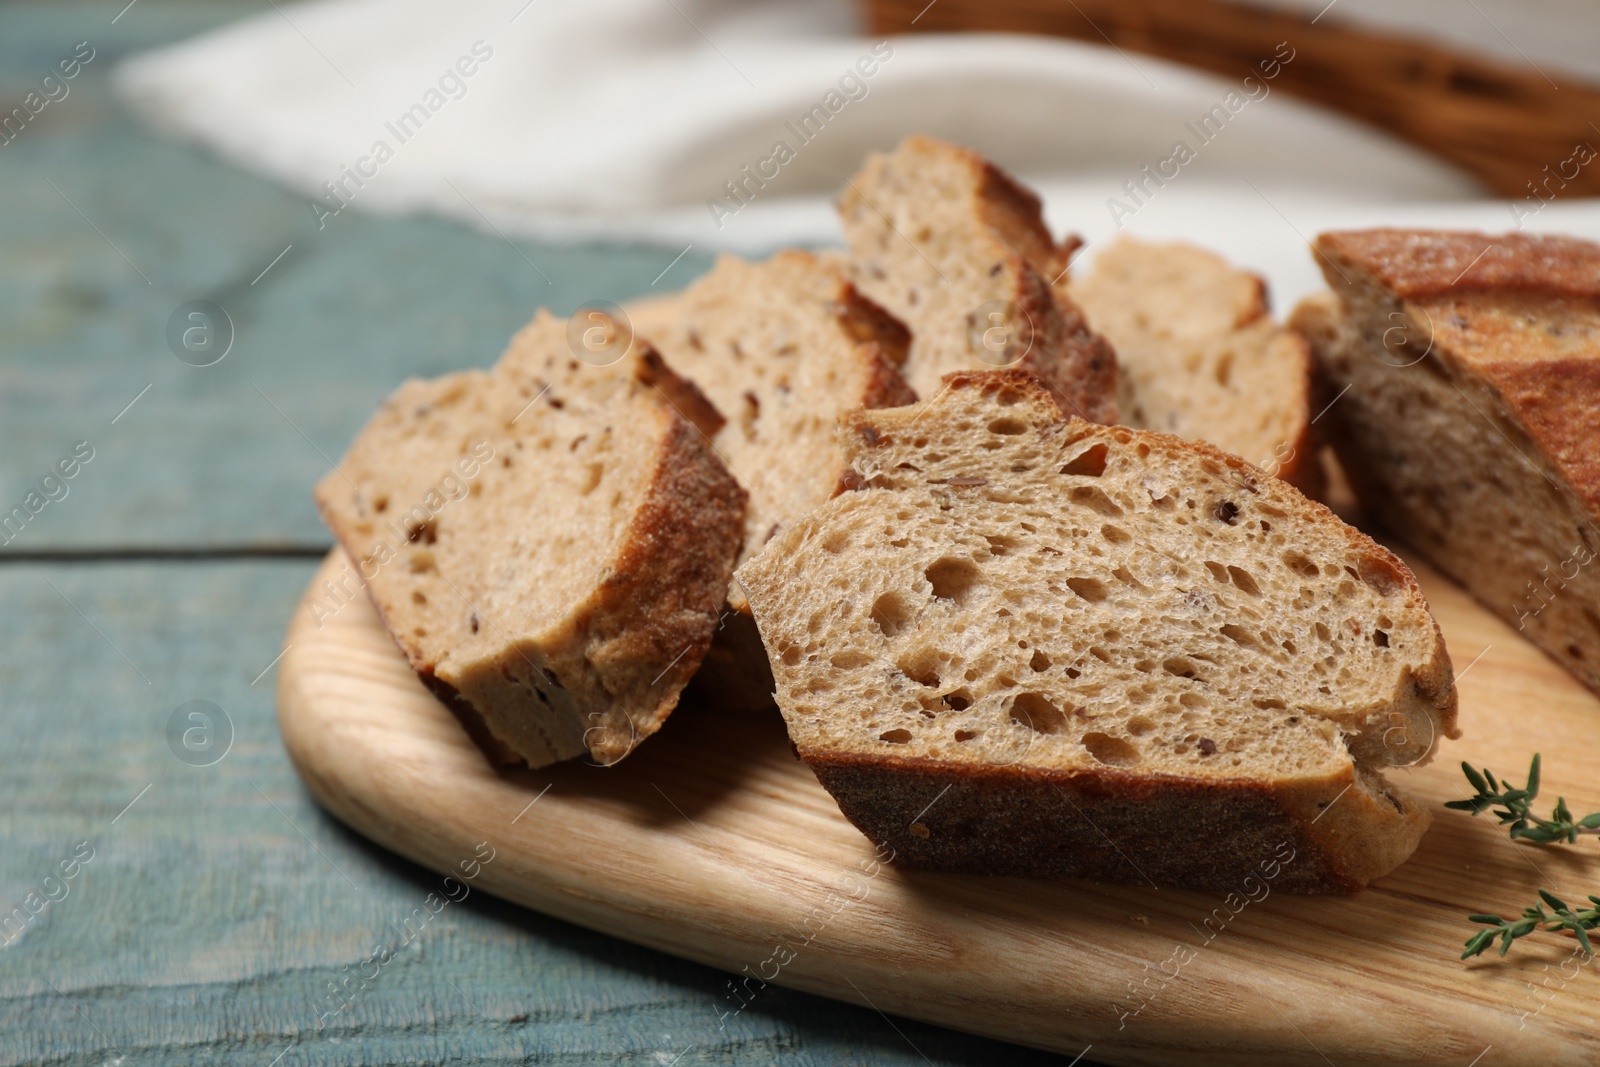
<point>230,228</point>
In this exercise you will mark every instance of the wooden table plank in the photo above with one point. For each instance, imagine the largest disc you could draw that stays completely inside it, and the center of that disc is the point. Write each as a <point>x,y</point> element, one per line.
<point>216,910</point>
<point>221,455</point>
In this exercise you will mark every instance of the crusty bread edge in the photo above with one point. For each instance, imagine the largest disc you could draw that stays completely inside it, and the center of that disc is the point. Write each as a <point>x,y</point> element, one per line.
<point>1091,823</point>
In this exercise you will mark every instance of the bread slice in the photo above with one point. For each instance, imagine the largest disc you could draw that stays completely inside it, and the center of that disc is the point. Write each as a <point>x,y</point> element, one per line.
<point>782,348</point>
<point>1469,420</point>
<point>1200,356</point>
<point>549,544</point>
<point>958,251</point>
<point>1038,646</point>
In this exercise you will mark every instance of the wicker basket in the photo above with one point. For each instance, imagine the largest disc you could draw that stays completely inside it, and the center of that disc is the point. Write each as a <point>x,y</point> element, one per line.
<point>1513,129</point>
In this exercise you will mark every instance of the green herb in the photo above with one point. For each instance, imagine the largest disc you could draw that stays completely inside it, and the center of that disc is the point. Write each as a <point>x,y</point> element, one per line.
<point>1535,918</point>
<point>1515,806</point>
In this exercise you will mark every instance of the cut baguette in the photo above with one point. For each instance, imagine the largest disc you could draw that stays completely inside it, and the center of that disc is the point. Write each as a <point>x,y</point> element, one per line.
<point>782,348</point>
<point>1037,646</point>
<point>1471,421</point>
<point>1200,356</point>
<point>549,544</point>
<point>958,251</point>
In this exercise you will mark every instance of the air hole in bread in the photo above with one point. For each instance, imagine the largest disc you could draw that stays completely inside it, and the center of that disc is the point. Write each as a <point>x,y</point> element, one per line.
<point>1380,574</point>
<point>1180,666</point>
<point>896,737</point>
<point>953,578</point>
<point>1297,562</point>
<point>1380,639</point>
<point>1090,589</point>
<point>1090,463</point>
<point>1218,571</point>
<point>1040,661</point>
<point>1224,370</point>
<point>1091,497</point>
<point>1115,535</point>
<point>960,700</point>
<point>836,542</point>
<point>1035,711</point>
<point>1000,544</point>
<point>1242,579</point>
<point>850,659</point>
<point>891,613</point>
<point>1008,427</point>
<point>418,597</point>
<point>1239,635</point>
<point>1112,751</point>
<point>381,504</point>
<point>1138,726</point>
<point>922,667</point>
<point>421,561</point>
<point>965,735</point>
<point>424,531</point>
<point>1228,512</point>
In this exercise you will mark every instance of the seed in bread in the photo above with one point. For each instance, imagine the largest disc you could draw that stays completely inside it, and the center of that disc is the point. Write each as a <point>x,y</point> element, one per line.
<point>1029,645</point>
<point>1469,420</point>
<point>550,544</point>
<point>957,250</point>
<point>1200,356</point>
<point>782,348</point>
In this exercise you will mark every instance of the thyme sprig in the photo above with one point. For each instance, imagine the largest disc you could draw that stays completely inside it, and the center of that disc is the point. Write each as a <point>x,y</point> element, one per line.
<point>1515,806</point>
<point>1560,917</point>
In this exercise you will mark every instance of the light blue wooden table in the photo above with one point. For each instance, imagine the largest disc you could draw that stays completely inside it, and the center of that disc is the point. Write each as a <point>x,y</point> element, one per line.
<point>219,901</point>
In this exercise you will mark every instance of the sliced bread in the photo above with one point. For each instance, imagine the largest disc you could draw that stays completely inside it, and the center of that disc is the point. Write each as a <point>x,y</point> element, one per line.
<point>1467,369</point>
<point>958,251</point>
<point>782,348</point>
<point>1200,356</point>
<point>549,544</point>
<point>1029,645</point>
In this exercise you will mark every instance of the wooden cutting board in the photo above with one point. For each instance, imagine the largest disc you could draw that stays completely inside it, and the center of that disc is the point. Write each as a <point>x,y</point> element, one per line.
<point>714,843</point>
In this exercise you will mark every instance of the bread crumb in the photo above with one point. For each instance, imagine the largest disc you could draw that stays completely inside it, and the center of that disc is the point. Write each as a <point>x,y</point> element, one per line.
<point>1141,919</point>
<point>919,830</point>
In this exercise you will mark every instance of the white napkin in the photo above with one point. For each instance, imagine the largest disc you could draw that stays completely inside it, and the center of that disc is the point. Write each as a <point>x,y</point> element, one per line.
<point>624,119</point>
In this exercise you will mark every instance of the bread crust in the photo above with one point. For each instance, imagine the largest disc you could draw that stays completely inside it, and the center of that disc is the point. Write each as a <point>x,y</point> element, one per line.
<point>1422,263</point>
<point>652,618</point>
<point>1039,822</point>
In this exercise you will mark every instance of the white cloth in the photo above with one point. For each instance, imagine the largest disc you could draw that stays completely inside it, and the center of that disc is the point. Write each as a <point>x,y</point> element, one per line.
<point>624,119</point>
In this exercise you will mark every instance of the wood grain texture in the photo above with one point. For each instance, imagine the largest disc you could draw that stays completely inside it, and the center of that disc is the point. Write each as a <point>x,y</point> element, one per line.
<point>714,843</point>
<point>1502,122</point>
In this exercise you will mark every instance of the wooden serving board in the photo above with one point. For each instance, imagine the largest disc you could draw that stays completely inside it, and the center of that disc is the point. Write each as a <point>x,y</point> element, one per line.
<point>714,843</point>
